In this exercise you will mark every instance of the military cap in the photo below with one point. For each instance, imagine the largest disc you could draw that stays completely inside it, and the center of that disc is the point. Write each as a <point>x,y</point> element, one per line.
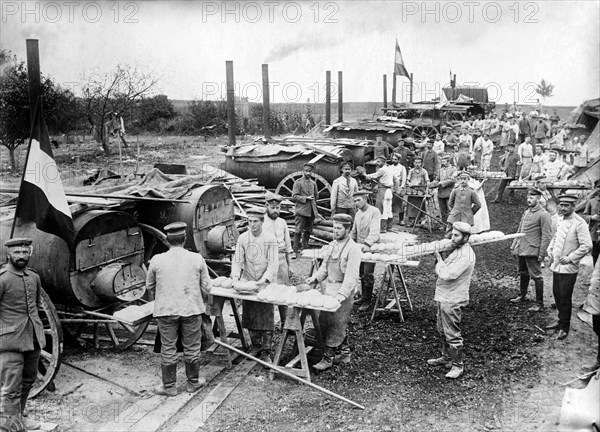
<point>568,198</point>
<point>445,156</point>
<point>347,163</point>
<point>176,228</point>
<point>381,157</point>
<point>270,196</point>
<point>534,191</point>
<point>400,140</point>
<point>511,144</point>
<point>463,174</point>
<point>342,218</point>
<point>463,227</point>
<point>362,193</point>
<point>22,241</point>
<point>552,151</point>
<point>256,211</point>
<point>309,165</point>
<point>418,158</point>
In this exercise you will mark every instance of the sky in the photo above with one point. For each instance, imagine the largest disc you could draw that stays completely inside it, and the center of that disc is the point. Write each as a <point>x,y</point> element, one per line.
<point>507,46</point>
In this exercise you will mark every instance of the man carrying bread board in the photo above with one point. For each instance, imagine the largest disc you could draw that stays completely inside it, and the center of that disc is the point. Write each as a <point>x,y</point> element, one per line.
<point>365,232</point>
<point>256,259</point>
<point>339,275</point>
<point>451,295</point>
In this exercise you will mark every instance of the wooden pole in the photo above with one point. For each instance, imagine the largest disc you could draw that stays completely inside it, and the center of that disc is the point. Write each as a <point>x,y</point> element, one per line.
<point>384,90</point>
<point>411,86</point>
<point>287,374</point>
<point>33,73</point>
<point>394,91</point>
<point>230,101</point>
<point>340,98</point>
<point>35,98</point>
<point>266,102</point>
<point>327,98</point>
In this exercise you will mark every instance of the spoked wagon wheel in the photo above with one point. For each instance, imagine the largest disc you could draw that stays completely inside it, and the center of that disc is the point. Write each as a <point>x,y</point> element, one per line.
<point>285,187</point>
<point>51,354</point>
<point>431,131</point>
<point>105,333</point>
<point>123,336</point>
<point>155,241</point>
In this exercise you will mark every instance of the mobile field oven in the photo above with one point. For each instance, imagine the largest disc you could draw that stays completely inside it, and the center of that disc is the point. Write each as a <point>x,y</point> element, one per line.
<point>104,272</point>
<point>278,164</point>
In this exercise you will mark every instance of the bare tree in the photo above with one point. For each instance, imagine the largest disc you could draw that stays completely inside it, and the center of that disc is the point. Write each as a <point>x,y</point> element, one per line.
<point>112,95</point>
<point>544,89</point>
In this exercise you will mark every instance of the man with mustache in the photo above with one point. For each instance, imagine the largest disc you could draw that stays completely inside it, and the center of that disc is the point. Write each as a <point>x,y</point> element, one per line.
<point>451,295</point>
<point>342,192</point>
<point>21,330</point>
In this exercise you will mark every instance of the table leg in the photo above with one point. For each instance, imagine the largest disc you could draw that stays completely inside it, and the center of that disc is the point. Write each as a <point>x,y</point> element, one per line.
<point>279,351</point>
<point>404,287</point>
<point>382,293</point>
<point>302,352</point>
<point>389,268</point>
<point>238,323</point>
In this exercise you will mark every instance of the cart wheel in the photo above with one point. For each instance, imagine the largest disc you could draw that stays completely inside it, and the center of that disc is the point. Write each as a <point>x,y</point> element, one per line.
<point>52,352</point>
<point>285,186</point>
<point>155,241</point>
<point>431,131</point>
<point>123,336</point>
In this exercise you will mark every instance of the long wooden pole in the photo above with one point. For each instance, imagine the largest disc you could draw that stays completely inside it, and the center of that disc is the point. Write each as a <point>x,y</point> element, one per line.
<point>289,375</point>
<point>384,90</point>
<point>266,102</point>
<point>393,90</point>
<point>230,101</point>
<point>340,98</point>
<point>327,98</point>
<point>411,86</point>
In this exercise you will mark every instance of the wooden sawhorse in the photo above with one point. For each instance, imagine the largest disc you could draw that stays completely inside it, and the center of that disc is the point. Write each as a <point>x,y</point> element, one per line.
<point>220,330</point>
<point>389,283</point>
<point>294,325</point>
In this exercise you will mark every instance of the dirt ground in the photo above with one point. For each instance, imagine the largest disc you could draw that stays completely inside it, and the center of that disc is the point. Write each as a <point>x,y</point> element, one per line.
<point>513,370</point>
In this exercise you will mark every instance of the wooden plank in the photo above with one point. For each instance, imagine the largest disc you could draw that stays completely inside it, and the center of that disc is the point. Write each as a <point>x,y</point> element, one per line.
<point>390,305</point>
<point>296,359</point>
<point>198,417</point>
<point>169,406</point>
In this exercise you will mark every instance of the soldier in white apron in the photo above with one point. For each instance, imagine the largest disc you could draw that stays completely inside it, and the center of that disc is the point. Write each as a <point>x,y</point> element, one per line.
<point>340,274</point>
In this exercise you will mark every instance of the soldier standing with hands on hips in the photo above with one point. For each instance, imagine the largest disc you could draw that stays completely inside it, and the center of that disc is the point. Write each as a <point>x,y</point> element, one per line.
<point>21,331</point>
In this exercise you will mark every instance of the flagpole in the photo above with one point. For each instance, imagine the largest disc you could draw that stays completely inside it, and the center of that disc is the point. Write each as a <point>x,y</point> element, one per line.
<point>394,90</point>
<point>33,74</point>
<point>411,86</point>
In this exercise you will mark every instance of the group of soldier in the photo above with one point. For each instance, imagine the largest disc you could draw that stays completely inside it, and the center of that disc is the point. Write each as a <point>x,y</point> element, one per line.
<point>180,281</point>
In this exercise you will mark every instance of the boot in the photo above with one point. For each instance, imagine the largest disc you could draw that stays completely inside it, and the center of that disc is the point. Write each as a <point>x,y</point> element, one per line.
<point>256,342</point>
<point>327,360</point>
<point>169,379</point>
<point>192,372</point>
<point>297,243</point>
<point>367,293</point>
<point>383,229</point>
<point>539,291</point>
<point>310,338</point>
<point>456,354</point>
<point>444,360</point>
<point>265,352</point>
<point>343,353</point>
<point>390,222</point>
<point>359,301</point>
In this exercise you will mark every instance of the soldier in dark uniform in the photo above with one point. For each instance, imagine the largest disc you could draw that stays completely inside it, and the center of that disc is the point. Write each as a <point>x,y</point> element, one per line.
<point>21,330</point>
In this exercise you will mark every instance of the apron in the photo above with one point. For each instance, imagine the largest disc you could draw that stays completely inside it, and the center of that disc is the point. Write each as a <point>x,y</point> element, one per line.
<point>334,324</point>
<point>257,315</point>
